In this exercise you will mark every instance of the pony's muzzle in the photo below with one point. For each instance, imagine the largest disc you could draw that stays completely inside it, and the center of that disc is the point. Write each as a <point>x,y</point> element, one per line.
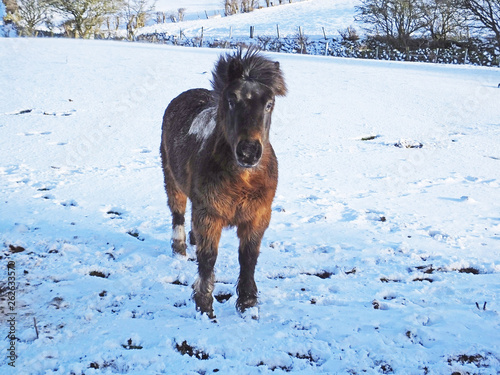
<point>248,153</point>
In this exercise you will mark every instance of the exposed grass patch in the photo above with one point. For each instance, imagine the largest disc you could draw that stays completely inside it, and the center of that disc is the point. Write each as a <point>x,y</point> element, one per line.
<point>370,137</point>
<point>223,297</point>
<point>471,270</point>
<point>427,269</point>
<point>321,274</point>
<point>99,274</point>
<point>23,112</point>
<point>131,346</point>
<point>274,368</point>
<point>387,280</point>
<point>102,366</point>
<point>16,249</point>
<point>307,356</point>
<point>423,279</point>
<point>408,144</point>
<point>351,272</point>
<point>134,233</point>
<point>191,351</point>
<point>464,359</point>
<point>178,282</point>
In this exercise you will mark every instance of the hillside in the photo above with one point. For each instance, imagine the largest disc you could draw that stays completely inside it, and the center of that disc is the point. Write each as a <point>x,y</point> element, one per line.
<point>312,16</point>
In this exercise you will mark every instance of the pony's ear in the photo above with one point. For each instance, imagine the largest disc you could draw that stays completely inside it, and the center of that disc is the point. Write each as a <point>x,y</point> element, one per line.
<point>279,85</point>
<point>234,70</point>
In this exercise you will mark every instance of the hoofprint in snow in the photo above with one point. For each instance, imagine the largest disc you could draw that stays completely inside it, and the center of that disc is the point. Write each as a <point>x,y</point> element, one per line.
<point>383,251</point>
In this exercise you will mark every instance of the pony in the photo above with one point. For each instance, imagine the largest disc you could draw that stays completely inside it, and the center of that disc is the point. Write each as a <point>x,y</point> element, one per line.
<point>215,150</point>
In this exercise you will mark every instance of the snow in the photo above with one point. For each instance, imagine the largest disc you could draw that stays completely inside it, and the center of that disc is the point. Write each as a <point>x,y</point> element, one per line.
<point>193,9</point>
<point>311,16</point>
<point>382,255</point>
<point>189,5</point>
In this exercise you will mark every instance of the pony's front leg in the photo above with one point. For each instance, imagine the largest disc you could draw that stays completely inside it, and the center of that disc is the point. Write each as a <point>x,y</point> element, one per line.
<point>207,231</point>
<point>250,239</point>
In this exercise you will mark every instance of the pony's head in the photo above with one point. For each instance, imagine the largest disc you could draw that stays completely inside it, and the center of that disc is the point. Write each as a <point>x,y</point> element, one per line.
<point>245,87</point>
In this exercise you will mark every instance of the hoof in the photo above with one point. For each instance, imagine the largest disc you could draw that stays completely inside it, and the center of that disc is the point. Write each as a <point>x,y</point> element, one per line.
<point>250,313</point>
<point>179,247</point>
<point>209,314</point>
<point>243,304</point>
<point>204,304</point>
<point>208,311</point>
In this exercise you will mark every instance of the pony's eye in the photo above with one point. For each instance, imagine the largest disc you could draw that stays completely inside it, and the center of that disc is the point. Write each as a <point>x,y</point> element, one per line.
<point>231,101</point>
<point>269,105</point>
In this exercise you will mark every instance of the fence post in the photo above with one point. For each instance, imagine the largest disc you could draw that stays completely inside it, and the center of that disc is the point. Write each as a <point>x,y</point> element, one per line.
<point>324,33</point>
<point>201,41</point>
<point>301,41</point>
<point>251,32</point>
<point>278,30</point>
<point>326,48</point>
<point>466,58</point>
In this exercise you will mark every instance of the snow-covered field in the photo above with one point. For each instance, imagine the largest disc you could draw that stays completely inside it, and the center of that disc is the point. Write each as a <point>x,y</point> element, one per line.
<point>383,251</point>
<point>311,16</point>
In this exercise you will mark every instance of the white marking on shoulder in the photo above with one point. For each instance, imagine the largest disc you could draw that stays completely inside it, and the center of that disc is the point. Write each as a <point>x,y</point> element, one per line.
<point>204,124</point>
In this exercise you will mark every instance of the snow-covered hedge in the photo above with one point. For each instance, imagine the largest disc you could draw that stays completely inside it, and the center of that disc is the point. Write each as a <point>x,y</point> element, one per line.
<point>478,53</point>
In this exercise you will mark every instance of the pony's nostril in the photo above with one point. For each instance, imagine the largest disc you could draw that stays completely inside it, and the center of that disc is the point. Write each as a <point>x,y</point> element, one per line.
<point>245,149</point>
<point>248,153</point>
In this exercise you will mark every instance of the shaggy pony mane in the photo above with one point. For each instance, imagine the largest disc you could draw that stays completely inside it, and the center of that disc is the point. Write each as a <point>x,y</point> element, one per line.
<point>251,66</point>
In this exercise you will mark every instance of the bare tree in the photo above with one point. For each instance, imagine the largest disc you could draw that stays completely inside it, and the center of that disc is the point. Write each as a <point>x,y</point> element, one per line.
<point>443,18</point>
<point>231,7</point>
<point>349,34</point>
<point>10,11</point>
<point>136,13</point>
<point>182,13</point>
<point>397,19</point>
<point>486,13</point>
<point>29,14</point>
<point>160,17</point>
<point>85,16</point>
<point>249,5</point>
<point>10,6</point>
<point>244,6</point>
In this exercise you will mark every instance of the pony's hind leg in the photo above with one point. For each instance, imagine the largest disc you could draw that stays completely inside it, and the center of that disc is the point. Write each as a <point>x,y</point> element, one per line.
<point>178,208</point>
<point>192,236</point>
<point>177,202</point>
